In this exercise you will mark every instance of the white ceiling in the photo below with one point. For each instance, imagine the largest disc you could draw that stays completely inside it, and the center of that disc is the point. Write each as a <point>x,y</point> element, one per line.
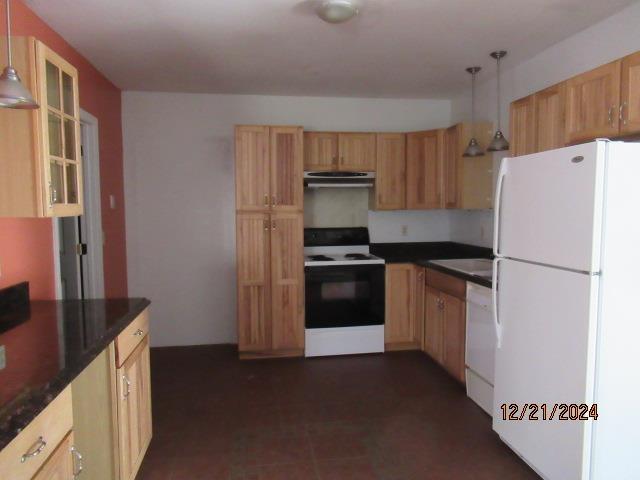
<point>394,48</point>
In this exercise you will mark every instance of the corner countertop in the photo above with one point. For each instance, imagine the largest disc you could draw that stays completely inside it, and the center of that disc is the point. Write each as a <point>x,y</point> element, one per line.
<point>421,253</point>
<point>47,344</point>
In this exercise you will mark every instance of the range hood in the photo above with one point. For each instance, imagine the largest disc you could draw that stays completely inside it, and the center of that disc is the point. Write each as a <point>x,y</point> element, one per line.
<point>339,179</point>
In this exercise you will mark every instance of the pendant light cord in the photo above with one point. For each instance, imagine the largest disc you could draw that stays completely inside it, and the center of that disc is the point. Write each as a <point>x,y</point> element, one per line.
<point>9,59</point>
<point>497,94</point>
<point>473,99</point>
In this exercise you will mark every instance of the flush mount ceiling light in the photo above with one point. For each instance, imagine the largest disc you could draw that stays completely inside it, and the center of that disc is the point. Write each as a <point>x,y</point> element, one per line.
<point>473,149</point>
<point>13,94</point>
<point>499,142</point>
<point>337,11</point>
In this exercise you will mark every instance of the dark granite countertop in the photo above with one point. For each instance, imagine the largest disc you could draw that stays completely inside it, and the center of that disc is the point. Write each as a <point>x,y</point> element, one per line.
<point>47,344</point>
<point>485,282</point>
<point>421,253</point>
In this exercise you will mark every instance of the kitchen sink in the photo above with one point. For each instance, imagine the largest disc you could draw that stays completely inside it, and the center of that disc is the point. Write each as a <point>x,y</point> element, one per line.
<point>479,267</point>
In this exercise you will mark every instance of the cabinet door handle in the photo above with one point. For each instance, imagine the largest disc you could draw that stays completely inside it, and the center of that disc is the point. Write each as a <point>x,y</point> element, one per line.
<point>138,333</point>
<point>77,462</point>
<point>266,200</point>
<point>274,201</point>
<point>266,224</point>
<point>273,225</point>
<point>611,115</point>
<point>621,113</point>
<point>35,450</point>
<point>127,384</point>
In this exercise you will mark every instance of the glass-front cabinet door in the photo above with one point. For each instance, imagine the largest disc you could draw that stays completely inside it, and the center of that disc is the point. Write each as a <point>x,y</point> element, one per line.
<point>60,134</point>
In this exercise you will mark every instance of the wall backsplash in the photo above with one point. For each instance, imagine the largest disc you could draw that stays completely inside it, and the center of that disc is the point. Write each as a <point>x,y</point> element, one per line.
<point>336,207</point>
<point>409,226</point>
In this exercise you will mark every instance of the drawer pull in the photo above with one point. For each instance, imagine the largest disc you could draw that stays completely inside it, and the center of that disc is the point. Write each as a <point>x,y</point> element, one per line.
<point>77,462</point>
<point>127,389</point>
<point>35,450</point>
<point>138,333</point>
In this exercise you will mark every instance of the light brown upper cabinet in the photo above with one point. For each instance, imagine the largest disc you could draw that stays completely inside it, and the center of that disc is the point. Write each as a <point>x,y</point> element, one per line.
<point>357,152</point>
<point>593,100</point>
<point>424,170</point>
<point>346,152</point>
<point>549,114</point>
<point>468,181</point>
<point>404,306</point>
<point>269,168</point>
<point>320,151</point>
<point>629,110</point>
<point>522,126</point>
<point>390,190</point>
<point>452,167</point>
<point>41,167</point>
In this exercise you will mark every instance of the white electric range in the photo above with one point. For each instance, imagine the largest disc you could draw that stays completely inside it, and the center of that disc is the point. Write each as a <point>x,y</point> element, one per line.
<point>344,293</point>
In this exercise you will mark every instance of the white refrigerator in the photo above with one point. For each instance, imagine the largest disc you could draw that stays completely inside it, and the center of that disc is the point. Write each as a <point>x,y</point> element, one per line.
<point>566,288</point>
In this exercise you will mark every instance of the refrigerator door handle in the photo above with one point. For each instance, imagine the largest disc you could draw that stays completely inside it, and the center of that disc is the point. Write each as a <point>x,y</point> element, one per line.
<point>494,294</point>
<point>496,223</point>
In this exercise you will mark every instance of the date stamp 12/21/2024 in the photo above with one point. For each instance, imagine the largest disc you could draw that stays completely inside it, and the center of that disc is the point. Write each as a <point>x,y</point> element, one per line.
<point>549,412</point>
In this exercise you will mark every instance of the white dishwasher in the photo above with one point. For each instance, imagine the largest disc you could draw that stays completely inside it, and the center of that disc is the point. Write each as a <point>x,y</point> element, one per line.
<point>480,346</point>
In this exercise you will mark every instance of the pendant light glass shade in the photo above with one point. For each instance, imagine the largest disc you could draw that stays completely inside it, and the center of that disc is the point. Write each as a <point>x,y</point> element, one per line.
<point>499,142</point>
<point>473,149</point>
<point>337,11</point>
<point>13,94</point>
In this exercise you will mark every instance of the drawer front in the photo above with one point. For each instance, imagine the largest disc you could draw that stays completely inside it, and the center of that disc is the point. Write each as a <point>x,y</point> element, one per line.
<point>446,283</point>
<point>51,426</point>
<point>131,337</point>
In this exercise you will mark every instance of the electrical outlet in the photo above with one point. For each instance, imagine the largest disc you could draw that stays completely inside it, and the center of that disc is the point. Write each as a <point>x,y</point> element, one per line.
<point>3,358</point>
<point>405,230</point>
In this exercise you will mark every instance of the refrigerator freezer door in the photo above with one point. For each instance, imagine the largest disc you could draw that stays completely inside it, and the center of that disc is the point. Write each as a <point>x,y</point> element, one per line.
<point>546,357</point>
<point>549,207</point>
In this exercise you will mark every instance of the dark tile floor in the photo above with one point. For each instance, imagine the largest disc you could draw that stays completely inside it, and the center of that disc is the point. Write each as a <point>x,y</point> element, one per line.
<point>395,416</point>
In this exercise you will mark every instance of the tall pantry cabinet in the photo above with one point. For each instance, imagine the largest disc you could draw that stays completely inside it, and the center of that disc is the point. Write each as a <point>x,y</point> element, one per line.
<point>269,240</point>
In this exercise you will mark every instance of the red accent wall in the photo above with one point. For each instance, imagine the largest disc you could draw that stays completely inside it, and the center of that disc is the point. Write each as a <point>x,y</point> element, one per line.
<point>26,244</point>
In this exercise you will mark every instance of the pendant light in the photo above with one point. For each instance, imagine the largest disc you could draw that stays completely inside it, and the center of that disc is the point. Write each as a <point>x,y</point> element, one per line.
<point>499,143</point>
<point>337,11</point>
<point>13,94</point>
<point>473,149</point>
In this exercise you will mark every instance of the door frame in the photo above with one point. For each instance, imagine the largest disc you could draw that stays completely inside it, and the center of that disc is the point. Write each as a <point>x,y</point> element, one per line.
<point>92,219</point>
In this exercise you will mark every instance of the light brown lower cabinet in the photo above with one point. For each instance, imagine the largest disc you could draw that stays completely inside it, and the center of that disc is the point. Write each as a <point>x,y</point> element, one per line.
<point>404,291</point>
<point>445,322</point>
<point>270,281</point>
<point>432,342</point>
<point>454,330</point>
<point>61,464</point>
<point>134,409</point>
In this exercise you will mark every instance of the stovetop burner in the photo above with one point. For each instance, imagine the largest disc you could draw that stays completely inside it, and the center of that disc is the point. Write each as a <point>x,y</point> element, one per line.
<point>321,258</point>
<point>358,256</point>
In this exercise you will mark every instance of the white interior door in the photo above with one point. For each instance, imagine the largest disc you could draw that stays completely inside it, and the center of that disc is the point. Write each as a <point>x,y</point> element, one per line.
<point>546,356</point>
<point>549,207</point>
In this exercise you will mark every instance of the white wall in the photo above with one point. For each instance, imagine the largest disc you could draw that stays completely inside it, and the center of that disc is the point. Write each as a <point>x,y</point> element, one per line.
<point>612,38</point>
<point>410,226</point>
<point>179,186</point>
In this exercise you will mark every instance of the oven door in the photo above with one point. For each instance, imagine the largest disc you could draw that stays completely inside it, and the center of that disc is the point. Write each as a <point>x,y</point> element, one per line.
<point>344,296</point>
